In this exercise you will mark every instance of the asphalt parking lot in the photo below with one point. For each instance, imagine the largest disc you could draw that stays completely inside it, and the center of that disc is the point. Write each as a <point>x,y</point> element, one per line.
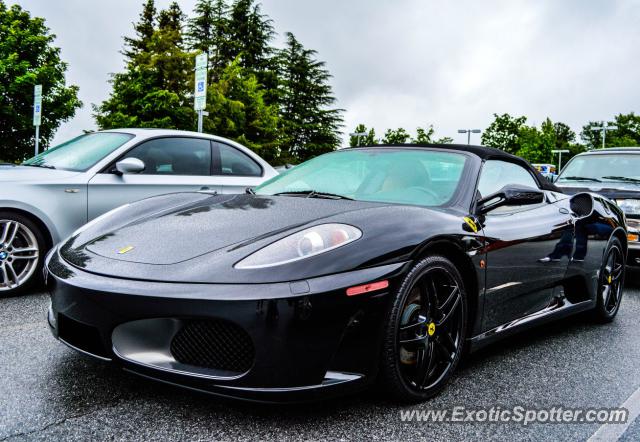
<point>48,391</point>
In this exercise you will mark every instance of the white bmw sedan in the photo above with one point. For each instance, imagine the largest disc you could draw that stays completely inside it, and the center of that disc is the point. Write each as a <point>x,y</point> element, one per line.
<point>47,197</point>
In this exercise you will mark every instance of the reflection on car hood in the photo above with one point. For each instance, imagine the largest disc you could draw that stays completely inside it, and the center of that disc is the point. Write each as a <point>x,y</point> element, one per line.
<point>197,237</point>
<point>11,173</point>
<point>211,224</point>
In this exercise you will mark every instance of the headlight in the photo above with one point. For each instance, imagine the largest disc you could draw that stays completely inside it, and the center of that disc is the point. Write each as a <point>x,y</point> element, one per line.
<point>629,207</point>
<point>301,245</point>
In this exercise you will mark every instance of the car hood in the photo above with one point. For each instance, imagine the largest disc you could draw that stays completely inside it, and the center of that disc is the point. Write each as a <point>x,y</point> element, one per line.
<point>609,190</point>
<point>213,223</point>
<point>199,237</point>
<point>13,173</point>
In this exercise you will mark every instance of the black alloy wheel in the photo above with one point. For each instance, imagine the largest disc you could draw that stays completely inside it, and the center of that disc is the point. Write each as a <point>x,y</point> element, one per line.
<point>610,282</point>
<point>426,330</point>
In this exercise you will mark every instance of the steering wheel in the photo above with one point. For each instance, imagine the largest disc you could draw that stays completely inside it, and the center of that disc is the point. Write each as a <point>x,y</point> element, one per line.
<point>426,191</point>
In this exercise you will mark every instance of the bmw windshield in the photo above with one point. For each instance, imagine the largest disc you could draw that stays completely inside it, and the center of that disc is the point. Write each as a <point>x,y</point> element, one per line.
<point>602,168</point>
<point>413,176</point>
<point>80,153</point>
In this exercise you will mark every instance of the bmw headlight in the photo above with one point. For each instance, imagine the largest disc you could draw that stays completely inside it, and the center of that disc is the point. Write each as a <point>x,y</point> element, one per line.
<point>300,245</point>
<point>629,206</point>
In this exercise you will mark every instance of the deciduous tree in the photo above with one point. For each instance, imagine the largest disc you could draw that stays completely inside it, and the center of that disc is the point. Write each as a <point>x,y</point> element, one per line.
<point>28,57</point>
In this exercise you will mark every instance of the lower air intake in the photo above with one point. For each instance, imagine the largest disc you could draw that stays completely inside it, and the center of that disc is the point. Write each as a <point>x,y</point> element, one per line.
<point>214,344</point>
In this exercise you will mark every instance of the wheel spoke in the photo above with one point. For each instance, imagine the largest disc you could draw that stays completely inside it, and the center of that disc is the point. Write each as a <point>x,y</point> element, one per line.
<point>448,313</point>
<point>444,352</point>
<point>26,253</point>
<point>428,291</point>
<point>416,340</point>
<point>12,231</point>
<point>606,295</point>
<point>5,277</point>
<point>416,325</point>
<point>423,363</point>
<point>11,274</point>
<point>448,342</point>
<point>617,271</point>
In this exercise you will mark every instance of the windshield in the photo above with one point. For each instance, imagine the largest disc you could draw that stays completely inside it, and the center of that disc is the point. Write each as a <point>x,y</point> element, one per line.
<point>602,167</point>
<point>81,153</point>
<point>421,177</point>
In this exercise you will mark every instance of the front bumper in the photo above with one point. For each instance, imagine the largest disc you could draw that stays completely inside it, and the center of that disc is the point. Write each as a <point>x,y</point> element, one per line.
<point>633,230</point>
<point>308,338</point>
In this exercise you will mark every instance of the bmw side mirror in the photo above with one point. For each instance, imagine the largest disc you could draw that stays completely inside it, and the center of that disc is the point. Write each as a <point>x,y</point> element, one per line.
<point>129,165</point>
<point>510,195</point>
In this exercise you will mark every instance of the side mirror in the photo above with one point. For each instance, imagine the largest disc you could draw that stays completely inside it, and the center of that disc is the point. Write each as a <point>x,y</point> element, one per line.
<point>129,165</point>
<point>510,195</point>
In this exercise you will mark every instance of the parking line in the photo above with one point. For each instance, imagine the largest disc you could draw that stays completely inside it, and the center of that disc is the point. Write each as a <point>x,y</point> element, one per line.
<point>609,432</point>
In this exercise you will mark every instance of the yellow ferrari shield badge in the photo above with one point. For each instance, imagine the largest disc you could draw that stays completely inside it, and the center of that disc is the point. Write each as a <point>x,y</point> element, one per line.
<point>431,329</point>
<point>471,223</point>
<point>124,250</point>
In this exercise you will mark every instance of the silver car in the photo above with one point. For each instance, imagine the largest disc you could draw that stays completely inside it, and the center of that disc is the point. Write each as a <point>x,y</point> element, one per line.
<point>47,197</point>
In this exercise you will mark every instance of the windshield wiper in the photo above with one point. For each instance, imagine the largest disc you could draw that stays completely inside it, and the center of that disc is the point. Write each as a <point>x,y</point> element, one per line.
<point>44,166</point>
<point>315,194</point>
<point>622,178</point>
<point>581,178</point>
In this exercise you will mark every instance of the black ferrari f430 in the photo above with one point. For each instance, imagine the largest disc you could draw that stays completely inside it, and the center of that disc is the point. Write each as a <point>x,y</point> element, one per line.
<point>384,263</point>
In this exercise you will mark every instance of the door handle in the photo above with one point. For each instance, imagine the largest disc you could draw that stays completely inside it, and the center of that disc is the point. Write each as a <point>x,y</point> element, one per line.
<point>208,189</point>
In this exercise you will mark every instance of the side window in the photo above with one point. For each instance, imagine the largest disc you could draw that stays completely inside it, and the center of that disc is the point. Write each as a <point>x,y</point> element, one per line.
<point>496,174</point>
<point>236,163</point>
<point>174,156</point>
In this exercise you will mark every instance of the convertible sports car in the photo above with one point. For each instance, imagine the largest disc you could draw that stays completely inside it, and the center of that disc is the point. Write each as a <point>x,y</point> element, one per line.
<point>379,263</point>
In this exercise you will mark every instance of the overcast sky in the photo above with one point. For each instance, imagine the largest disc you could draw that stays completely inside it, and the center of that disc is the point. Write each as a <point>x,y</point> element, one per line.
<point>412,63</point>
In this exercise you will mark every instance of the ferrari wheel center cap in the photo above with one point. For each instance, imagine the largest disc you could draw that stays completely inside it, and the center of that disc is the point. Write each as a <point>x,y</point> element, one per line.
<point>431,329</point>
<point>610,279</point>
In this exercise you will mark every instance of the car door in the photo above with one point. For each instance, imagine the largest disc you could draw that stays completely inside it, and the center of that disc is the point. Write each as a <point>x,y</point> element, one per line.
<point>172,164</point>
<point>235,171</point>
<point>528,248</point>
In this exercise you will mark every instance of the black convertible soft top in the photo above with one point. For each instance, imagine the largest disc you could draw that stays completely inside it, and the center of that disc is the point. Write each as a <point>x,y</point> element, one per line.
<point>484,153</point>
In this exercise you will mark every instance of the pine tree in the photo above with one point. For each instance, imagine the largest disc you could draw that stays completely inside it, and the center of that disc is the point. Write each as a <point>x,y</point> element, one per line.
<point>237,110</point>
<point>310,127</point>
<point>251,33</point>
<point>154,90</point>
<point>144,30</point>
<point>250,36</point>
<point>208,31</point>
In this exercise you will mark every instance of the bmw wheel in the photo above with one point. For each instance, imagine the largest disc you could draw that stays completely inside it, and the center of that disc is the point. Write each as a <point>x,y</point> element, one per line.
<point>22,247</point>
<point>426,331</point>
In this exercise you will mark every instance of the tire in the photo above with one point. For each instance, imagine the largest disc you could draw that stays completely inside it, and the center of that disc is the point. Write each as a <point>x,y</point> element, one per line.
<point>22,251</point>
<point>425,332</point>
<point>610,283</point>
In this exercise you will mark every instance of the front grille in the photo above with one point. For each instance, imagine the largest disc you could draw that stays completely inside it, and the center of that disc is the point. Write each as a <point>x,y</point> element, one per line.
<point>214,344</point>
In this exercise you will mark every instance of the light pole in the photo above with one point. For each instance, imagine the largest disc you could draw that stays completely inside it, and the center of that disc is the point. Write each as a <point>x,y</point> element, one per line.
<point>469,132</point>
<point>358,135</point>
<point>560,152</point>
<point>604,128</point>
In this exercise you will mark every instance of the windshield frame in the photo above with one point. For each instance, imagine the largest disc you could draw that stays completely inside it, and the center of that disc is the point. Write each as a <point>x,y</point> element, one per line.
<point>602,180</point>
<point>461,197</point>
<point>129,136</point>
